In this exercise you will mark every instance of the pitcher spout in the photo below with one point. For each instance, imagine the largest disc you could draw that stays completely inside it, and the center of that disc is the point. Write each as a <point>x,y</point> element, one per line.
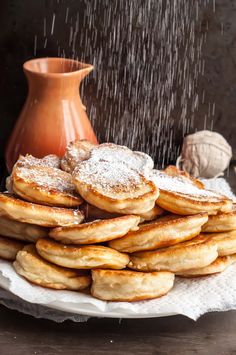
<point>84,71</point>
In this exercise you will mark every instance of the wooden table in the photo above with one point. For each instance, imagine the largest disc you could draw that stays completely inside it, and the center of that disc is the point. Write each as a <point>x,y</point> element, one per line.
<point>213,333</point>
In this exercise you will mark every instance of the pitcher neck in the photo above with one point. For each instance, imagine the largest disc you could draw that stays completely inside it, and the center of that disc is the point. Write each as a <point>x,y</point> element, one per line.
<point>64,87</point>
<point>55,77</point>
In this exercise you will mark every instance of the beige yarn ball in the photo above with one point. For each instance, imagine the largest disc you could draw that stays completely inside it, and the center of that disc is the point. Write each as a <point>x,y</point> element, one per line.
<point>204,154</point>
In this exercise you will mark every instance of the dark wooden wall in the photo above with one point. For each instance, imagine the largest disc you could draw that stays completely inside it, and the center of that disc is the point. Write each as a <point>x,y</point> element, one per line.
<point>22,20</point>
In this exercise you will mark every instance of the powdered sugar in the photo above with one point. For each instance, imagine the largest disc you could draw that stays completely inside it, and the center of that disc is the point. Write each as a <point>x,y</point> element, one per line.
<point>116,153</point>
<point>180,184</point>
<point>46,178</point>
<point>50,160</point>
<point>110,177</point>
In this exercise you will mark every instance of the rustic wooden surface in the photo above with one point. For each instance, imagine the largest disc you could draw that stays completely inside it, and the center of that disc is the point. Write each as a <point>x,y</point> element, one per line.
<point>213,333</point>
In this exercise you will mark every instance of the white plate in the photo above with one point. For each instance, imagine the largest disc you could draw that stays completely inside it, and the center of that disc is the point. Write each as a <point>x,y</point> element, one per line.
<point>86,310</point>
<point>189,297</point>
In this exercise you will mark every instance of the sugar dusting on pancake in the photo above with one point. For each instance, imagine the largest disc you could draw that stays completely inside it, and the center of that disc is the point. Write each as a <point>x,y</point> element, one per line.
<point>48,178</point>
<point>50,160</point>
<point>179,184</point>
<point>108,176</point>
<point>116,153</point>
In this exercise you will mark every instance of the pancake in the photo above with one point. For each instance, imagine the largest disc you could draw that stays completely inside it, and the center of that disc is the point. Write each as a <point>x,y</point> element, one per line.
<point>219,265</point>
<point>181,195</point>
<point>165,231</point>
<point>112,179</point>
<point>45,185</point>
<point>22,231</point>
<point>76,151</point>
<point>50,161</point>
<point>92,213</point>
<point>96,231</point>
<point>81,257</point>
<point>153,214</point>
<point>126,191</point>
<point>40,272</point>
<point>225,241</point>
<point>124,285</point>
<point>9,248</point>
<point>193,254</point>
<point>222,222</point>
<point>32,213</point>
<point>172,170</point>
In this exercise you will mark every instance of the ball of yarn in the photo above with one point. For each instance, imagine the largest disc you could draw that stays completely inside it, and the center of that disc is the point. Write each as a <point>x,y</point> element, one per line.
<point>204,154</point>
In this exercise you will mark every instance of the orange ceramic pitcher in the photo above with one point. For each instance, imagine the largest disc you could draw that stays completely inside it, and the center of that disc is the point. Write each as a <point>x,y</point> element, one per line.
<point>53,114</point>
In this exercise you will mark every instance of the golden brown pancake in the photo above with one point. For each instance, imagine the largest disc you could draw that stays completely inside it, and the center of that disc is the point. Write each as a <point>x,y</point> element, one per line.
<point>125,285</point>
<point>32,213</point>
<point>9,248</point>
<point>193,254</point>
<point>112,179</point>
<point>153,214</point>
<point>225,241</point>
<point>45,185</point>
<point>164,231</point>
<point>81,257</point>
<point>96,231</point>
<point>219,265</point>
<point>40,272</point>
<point>22,231</point>
<point>51,161</point>
<point>126,191</point>
<point>222,222</point>
<point>181,195</point>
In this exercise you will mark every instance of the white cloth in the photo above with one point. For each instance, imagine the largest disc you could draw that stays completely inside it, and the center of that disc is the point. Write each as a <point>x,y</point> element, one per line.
<point>190,297</point>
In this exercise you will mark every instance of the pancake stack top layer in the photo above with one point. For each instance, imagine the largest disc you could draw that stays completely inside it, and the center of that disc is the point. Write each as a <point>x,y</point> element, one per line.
<point>183,195</point>
<point>112,179</point>
<point>112,153</point>
<point>52,178</point>
<point>106,234</point>
<point>101,175</point>
<point>51,186</point>
<point>182,185</point>
<point>51,161</point>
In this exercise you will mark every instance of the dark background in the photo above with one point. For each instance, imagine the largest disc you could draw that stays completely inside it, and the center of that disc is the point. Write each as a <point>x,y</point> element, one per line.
<point>106,93</point>
<point>20,21</point>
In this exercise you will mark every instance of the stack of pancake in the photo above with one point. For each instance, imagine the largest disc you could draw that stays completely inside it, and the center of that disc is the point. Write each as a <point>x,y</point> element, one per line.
<point>101,218</point>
